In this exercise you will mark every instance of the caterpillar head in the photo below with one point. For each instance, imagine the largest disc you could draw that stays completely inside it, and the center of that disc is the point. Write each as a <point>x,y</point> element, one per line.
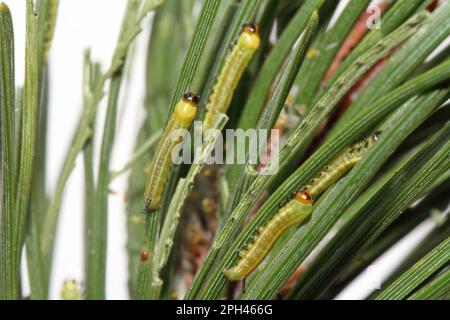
<point>251,28</point>
<point>250,37</point>
<point>304,197</point>
<point>191,97</point>
<point>186,109</point>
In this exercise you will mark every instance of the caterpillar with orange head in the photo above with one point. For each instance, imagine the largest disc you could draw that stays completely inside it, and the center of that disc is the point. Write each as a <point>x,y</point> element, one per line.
<point>159,169</point>
<point>297,210</point>
<point>228,79</point>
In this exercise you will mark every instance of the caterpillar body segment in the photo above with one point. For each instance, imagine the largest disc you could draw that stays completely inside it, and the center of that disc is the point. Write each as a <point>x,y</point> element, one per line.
<point>295,211</point>
<point>340,165</point>
<point>159,169</point>
<point>228,79</point>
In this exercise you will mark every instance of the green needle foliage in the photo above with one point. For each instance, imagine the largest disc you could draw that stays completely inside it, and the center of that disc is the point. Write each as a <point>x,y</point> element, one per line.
<point>385,204</point>
<point>152,221</point>
<point>9,276</point>
<point>437,289</point>
<point>28,135</point>
<point>389,79</point>
<point>330,44</point>
<point>96,259</point>
<point>419,272</point>
<point>296,143</point>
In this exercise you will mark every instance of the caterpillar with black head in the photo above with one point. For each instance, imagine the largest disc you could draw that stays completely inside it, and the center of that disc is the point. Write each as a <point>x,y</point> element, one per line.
<point>159,169</point>
<point>232,70</point>
<point>297,210</point>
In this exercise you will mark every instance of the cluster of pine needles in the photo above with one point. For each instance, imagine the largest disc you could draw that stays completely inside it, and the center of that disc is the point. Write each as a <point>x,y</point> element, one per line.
<point>326,74</point>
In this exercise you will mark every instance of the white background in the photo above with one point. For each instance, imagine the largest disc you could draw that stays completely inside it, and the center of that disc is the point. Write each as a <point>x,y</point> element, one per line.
<point>82,24</point>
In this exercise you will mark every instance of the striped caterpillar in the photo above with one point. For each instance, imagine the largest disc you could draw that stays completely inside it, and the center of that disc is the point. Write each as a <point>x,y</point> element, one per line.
<point>159,169</point>
<point>297,210</point>
<point>343,162</point>
<point>228,79</point>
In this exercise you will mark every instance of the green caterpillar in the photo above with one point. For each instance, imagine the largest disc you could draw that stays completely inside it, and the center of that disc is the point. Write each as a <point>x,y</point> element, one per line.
<point>340,165</point>
<point>228,79</point>
<point>159,169</point>
<point>297,210</point>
